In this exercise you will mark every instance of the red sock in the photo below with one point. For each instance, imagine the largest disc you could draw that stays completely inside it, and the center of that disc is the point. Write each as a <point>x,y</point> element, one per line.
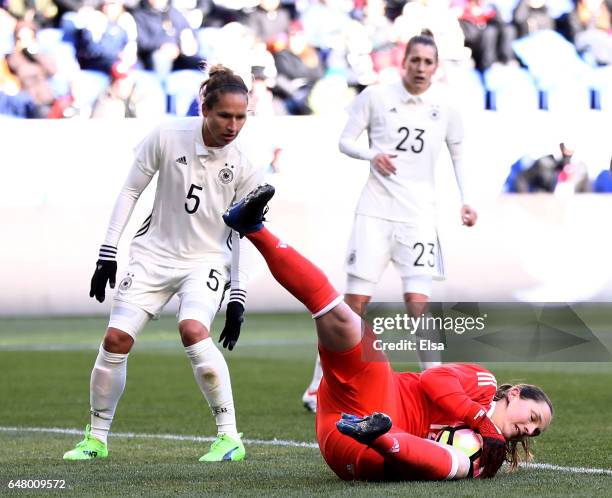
<point>294,272</point>
<point>413,457</point>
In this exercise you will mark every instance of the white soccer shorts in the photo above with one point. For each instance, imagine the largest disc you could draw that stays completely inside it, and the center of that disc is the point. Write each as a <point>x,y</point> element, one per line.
<point>415,250</point>
<point>149,287</point>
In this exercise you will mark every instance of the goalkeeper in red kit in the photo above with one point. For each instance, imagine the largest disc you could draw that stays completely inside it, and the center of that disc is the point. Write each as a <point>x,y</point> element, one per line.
<point>373,423</point>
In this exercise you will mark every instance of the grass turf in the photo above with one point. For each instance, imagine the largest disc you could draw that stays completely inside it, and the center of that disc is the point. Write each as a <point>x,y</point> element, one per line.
<point>45,366</point>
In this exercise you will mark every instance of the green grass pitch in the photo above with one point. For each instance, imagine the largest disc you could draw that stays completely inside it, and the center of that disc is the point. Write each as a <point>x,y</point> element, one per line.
<point>44,383</point>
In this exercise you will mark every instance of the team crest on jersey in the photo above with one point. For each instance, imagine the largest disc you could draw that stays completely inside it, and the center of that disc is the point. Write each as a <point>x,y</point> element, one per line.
<point>226,175</point>
<point>126,283</point>
<point>434,112</point>
<point>351,259</point>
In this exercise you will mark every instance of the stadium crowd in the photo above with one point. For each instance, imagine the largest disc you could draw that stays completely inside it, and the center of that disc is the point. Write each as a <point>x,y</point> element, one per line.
<point>125,58</point>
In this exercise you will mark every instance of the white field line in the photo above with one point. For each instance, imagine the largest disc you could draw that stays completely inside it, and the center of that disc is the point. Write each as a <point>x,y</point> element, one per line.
<point>573,470</point>
<point>273,442</point>
<point>150,345</point>
<point>168,437</point>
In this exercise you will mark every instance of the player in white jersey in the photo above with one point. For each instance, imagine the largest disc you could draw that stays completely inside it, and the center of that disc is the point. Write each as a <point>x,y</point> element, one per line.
<point>184,249</point>
<point>407,123</point>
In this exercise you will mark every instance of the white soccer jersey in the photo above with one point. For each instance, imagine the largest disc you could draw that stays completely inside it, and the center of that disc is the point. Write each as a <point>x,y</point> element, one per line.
<point>413,128</point>
<point>196,184</point>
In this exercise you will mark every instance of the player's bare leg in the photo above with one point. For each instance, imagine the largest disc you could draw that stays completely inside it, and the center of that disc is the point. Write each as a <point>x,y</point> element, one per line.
<point>417,305</point>
<point>357,303</point>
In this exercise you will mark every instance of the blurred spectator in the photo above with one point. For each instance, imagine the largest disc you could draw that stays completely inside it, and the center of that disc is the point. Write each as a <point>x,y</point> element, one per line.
<point>72,6</point>
<point>13,102</point>
<point>268,20</point>
<point>126,97</point>
<point>195,11</point>
<point>298,66</point>
<point>365,38</point>
<point>223,12</point>
<point>262,102</point>
<point>443,22</point>
<point>394,8</point>
<point>560,174</point>
<point>331,94</point>
<point>531,16</point>
<point>32,69</point>
<point>485,34</point>
<point>585,15</point>
<point>165,40</point>
<point>591,30</point>
<point>325,23</point>
<point>42,12</point>
<point>236,46</point>
<point>105,36</point>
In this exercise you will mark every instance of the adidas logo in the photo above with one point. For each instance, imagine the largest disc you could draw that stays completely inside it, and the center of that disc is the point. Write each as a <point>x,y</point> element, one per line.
<point>396,446</point>
<point>182,160</point>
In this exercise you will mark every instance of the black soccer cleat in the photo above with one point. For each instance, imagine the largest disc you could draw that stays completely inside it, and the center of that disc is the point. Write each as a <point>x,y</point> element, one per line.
<point>247,215</point>
<point>364,429</point>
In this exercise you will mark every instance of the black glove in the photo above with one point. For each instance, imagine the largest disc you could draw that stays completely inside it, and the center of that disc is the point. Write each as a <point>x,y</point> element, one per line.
<point>493,455</point>
<point>494,448</point>
<point>106,271</point>
<point>234,316</point>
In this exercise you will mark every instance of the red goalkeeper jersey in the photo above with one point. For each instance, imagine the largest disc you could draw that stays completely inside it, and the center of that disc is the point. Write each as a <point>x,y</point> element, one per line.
<point>443,395</point>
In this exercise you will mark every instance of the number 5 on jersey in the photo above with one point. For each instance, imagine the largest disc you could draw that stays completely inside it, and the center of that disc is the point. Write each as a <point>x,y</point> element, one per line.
<point>192,195</point>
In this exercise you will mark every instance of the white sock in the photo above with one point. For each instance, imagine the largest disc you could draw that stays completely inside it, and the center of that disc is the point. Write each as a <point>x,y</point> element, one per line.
<point>317,375</point>
<point>105,389</point>
<point>212,375</point>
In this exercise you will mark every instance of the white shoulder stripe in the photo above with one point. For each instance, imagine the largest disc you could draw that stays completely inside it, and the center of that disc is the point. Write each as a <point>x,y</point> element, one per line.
<point>494,384</point>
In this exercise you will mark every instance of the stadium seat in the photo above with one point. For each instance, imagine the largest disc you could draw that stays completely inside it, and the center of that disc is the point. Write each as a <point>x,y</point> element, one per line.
<point>64,56</point>
<point>511,88</point>
<point>568,96</point>
<point>559,72</point>
<point>88,85</point>
<point>603,182</point>
<point>602,87</point>
<point>7,42</point>
<point>48,38</point>
<point>68,25</point>
<point>466,89</point>
<point>182,87</point>
<point>207,39</point>
<point>153,88</point>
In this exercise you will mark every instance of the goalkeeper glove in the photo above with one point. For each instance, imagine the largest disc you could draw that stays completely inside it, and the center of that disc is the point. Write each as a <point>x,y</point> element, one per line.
<point>234,316</point>
<point>494,448</point>
<point>106,271</point>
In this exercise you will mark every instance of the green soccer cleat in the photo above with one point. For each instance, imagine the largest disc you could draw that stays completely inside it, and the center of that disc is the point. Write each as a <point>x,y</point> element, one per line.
<point>225,448</point>
<point>88,449</point>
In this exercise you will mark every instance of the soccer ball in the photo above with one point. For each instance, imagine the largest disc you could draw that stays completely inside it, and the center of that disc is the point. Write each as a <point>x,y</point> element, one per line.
<point>465,439</point>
